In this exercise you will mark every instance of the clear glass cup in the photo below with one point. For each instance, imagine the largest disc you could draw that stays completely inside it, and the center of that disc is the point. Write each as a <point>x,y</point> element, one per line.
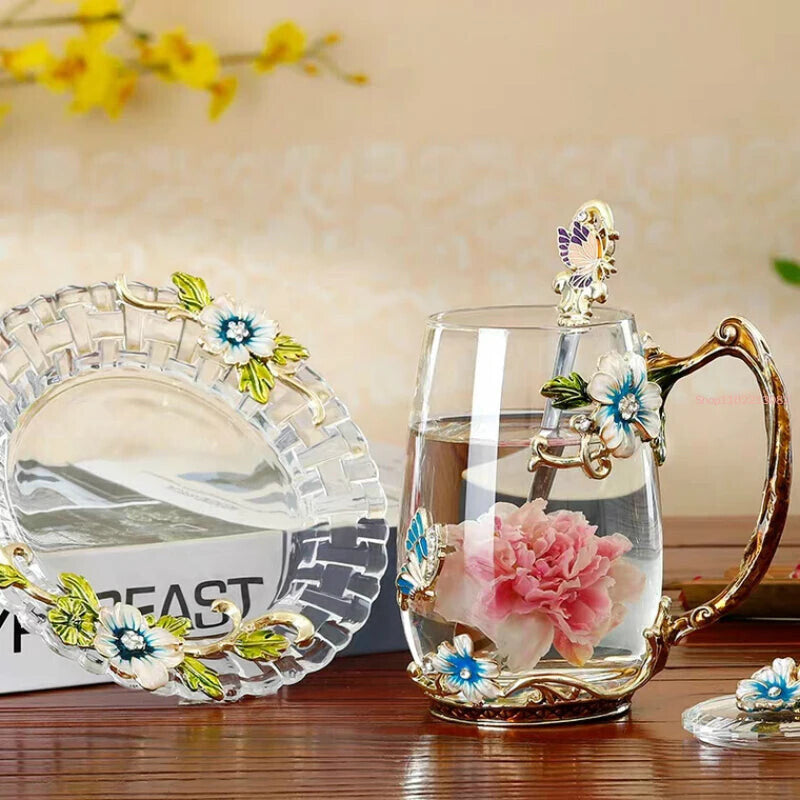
<point>525,576</point>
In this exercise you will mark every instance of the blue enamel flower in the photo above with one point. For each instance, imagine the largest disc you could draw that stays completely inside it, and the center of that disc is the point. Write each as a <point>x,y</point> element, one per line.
<point>134,649</point>
<point>774,688</point>
<point>461,674</point>
<point>237,333</point>
<point>628,403</point>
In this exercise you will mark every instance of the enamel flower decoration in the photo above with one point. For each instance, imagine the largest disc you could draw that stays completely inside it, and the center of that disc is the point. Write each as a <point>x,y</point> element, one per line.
<point>73,621</point>
<point>628,403</point>
<point>243,337</point>
<point>136,650</point>
<point>237,333</point>
<point>774,688</point>
<point>462,674</point>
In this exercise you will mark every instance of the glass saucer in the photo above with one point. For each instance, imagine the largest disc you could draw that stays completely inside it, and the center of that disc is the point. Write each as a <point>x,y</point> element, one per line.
<point>718,721</point>
<point>163,520</point>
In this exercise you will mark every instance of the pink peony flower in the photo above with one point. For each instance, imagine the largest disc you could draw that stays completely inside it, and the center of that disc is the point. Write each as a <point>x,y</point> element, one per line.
<point>530,580</point>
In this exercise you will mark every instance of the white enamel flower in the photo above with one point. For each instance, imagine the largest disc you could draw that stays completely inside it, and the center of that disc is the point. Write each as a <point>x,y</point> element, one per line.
<point>462,674</point>
<point>629,403</point>
<point>774,688</point>
<point>134,649</point>
<point>235,332</point>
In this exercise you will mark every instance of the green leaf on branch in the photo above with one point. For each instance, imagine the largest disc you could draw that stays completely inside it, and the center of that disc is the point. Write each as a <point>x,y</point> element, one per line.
<point>10,577</point>
<point>788,270</point>
<point>260,644</point>
<point>256,378</point>
<point>287,349</point>
<point>179,626</point>
<point>193,293</point>
<point>198,677</point>
<point>567,391</point>
<point>77,586</point>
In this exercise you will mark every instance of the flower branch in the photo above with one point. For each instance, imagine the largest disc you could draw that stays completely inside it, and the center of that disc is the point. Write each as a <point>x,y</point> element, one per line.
<point>245,339</point>
<point>143,648</point>
<point>97,77</point>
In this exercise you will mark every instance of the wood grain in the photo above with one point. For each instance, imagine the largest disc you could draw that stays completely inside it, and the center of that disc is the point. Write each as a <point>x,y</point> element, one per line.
<point>360,729</point>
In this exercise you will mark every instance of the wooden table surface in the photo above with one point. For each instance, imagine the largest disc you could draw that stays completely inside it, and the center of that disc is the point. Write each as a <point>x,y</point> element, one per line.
<point>360,729</point>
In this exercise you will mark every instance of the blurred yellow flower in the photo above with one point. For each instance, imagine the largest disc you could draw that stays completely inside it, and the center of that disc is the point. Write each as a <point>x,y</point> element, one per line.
<point>27,60</point>
<point>285,44</point>
<point>95,78</point>
<point>222,94</point>
<point>4,109</point>
<point>100,31</point>
<point>120,91</point>
<point>175,58</point>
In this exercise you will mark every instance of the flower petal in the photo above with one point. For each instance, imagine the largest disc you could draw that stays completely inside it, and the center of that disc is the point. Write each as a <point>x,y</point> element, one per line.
<point>487,689</point>
<point>261,345</point>
<point>122,667</point>
<point>628,445</point>
<point>650,396</point>
<point>637,368</point>
<point>451,683</point>
<point>784,668</point>
<point>106,644</point>
<point>650,422</point>
<point>130,616</point>
<point>470,692</point>
<point>150,672</point>
<point>487,668</point>
<point>213,342</point>
<point>523,639</point>
<point>236,353</point>
<point>214,314</point>
<point>603,387</point>
<point>766,676</point>
<point>614,364</point>
<point>612,433</point>
<point>463,644</point>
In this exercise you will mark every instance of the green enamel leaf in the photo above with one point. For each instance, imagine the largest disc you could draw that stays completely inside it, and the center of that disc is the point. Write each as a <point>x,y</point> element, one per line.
<point>77,586</point>
<point>73,621</point>
<point>193,293</point>
<point>10,577</point>
<point>260,644</point>
<point>256,378</point>
<point>788,270</point>
<point>180,626</point>
<point>198,677</point>
<point>287,349</point>
<point>567,391</point>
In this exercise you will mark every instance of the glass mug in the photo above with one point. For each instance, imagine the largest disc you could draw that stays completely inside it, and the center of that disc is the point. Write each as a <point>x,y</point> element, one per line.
<point>530,540</point>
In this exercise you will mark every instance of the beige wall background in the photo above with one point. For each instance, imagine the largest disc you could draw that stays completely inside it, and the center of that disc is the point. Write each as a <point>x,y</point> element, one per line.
<point>351,214</point>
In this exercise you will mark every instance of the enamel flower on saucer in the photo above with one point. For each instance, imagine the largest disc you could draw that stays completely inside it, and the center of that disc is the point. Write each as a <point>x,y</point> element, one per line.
<point>243,337</point>
<point>237,333</point>
<point>772,688</point>
<point>143,648</point>
<point>136,650</point>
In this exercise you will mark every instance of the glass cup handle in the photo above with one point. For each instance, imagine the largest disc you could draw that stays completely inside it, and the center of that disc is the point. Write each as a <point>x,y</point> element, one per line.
<point>739,338</point>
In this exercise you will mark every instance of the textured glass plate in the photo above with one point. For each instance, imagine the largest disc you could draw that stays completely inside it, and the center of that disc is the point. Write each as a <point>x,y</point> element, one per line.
<point>124,443</point>
<point>718,721</point>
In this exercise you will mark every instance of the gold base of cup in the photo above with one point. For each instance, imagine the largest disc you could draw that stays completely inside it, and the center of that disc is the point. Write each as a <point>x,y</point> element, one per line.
<point>539,714</point>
